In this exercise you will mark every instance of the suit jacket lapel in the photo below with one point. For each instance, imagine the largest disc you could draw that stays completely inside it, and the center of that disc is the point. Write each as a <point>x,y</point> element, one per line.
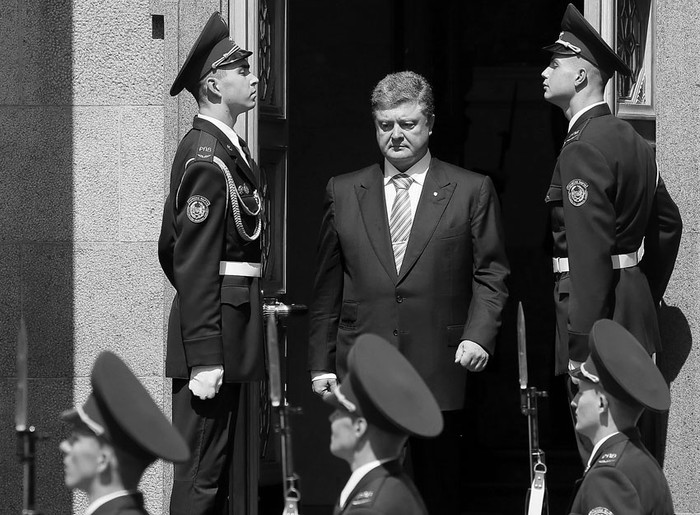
<point>241,163</point>
<point>436,194</point>
<point>370,196</point>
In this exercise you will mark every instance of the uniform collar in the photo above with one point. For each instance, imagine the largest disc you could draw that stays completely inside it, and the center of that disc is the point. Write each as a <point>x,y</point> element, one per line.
<point>357,476</point>
<point>597,447</point>
<point>228,132</point>
<point>94,505</point>
<point>578,115</point>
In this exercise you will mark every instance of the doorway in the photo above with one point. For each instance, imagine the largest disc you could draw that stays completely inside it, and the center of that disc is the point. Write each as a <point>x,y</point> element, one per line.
<point>483,59</point>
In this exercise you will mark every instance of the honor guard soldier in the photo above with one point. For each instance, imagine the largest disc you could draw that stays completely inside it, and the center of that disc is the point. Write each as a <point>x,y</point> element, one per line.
<point>381,401</point>
<point>609,206</point>
<point>115,435</point>
<point>615,384</point>
<point>210,250</point>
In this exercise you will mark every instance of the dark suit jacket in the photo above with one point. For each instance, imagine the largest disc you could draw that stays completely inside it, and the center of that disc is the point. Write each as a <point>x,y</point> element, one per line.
<point>214,320</point>
<point>385,490</point>
<point>624,479</point>
<point>604,200</point>
<point>125,505</point>
<point>451,285</point>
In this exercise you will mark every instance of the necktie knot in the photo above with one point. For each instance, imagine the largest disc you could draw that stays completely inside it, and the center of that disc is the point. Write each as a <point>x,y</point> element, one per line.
<point>401,181</point>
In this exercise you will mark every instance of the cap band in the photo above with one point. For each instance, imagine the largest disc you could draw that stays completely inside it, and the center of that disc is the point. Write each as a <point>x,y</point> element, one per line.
<point>85,418</point>
<point>568,45</point>
<point>591,377</point>
<point>221,61</point>
<point>342,399</point>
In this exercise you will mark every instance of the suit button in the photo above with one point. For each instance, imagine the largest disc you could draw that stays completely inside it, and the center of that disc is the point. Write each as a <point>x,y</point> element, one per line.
<point>396,333</point>
<point>399,299</point>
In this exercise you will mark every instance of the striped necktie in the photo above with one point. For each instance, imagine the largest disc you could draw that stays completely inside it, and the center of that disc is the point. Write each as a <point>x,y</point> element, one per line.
<point>400,220</point>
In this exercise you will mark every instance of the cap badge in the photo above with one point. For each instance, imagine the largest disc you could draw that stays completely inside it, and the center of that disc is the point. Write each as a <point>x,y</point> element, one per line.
<point>197,208</point>
<point>578,192</point>
<point>600,511</point>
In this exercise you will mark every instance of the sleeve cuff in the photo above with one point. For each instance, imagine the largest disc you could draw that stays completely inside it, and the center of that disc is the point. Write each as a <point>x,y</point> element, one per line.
<point>204,351</point>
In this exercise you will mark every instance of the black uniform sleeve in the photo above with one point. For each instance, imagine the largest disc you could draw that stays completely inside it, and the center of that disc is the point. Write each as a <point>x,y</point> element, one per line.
<point>200,224</point>
<point>589,216</point>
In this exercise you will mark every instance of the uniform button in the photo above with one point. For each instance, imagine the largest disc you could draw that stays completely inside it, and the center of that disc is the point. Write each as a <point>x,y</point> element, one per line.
<point>399,299</point>
<point>396,333</point>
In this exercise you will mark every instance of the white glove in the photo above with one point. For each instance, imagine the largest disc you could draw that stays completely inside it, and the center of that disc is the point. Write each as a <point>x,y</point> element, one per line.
<point>205,381</point>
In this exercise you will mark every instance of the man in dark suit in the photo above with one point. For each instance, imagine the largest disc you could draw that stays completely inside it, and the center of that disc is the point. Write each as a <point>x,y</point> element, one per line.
<point>380,402</point>
<point>210,251</point>
<point>115,435</point>
<point>412,251</point>
<point>609,206</point>
<point>617,382</point>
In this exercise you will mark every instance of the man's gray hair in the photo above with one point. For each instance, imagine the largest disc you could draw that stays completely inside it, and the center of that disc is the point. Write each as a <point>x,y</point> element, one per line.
<point>397,88</point>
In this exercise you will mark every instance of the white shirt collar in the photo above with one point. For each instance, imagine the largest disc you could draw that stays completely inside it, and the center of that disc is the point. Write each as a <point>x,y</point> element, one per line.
<point>578,115</point>
<point>597,446</point>
<point>106,498</point>
<point>228,132</point>
<point>356,476</point>
<point>416,172</point>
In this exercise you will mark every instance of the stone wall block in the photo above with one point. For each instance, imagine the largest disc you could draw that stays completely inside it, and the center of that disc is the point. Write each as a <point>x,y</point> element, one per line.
<point>141,176</point>
<point>37,173</point>
<point>118,306</point>
<point>96,177</point>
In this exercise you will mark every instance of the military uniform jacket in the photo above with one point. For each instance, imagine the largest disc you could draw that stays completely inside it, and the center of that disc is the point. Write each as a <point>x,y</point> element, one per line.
<point>124,505</point>
<point>451,285</point>
<point>385,490</point>
<point>215,319</point>
<point>624,479</point>
<point>605,198</point>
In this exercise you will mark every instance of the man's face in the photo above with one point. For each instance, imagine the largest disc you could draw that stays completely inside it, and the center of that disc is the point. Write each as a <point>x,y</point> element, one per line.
<point>344,434</point>
<point>403,133</point>
<point>560,80</point>
<point>587,405</point>
<point>83,458</point>
<point>237,87</point>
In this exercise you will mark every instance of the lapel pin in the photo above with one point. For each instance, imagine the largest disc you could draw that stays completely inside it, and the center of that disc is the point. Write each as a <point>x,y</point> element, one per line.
<point>434,193</point>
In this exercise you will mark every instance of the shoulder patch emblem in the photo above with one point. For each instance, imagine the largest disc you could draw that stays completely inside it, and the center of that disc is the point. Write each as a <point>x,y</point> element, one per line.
<point>600,511</point>
<point>608,457</point>
<point>362,498</point>
<point>578,192</point>
<point>197,208</point>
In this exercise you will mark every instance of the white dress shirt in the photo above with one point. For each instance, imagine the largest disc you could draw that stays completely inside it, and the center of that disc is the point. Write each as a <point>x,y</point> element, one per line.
<point>417,172</point>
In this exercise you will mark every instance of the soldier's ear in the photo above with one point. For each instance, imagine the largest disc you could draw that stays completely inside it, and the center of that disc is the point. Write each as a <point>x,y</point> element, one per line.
<point>603,402</point>
<point>360,426</point>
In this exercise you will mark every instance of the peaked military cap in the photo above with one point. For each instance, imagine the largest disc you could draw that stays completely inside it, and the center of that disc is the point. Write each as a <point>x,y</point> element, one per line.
<point>212,49</point>
<point>383,387</point>
<point>620,364</point>
<point>121,411</point>
<point>578,37</point>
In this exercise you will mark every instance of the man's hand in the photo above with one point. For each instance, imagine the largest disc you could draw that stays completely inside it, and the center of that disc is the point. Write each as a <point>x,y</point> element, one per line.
<point>322,383</point>
<point>205,381</point>
<point>471,356</point>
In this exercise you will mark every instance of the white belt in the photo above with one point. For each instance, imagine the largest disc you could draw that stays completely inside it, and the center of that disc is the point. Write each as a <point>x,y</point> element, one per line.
<point>241,268</point>
<point>618,261</point>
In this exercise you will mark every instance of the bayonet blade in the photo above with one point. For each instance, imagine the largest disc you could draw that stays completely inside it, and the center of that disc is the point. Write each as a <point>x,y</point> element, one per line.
<point>522,347</point>
<point>21,393</point>
<point>273,356</point>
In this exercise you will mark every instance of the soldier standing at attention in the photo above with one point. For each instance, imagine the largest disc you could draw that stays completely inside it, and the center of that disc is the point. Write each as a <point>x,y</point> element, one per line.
<point>609,205</point>
<point>210,251</point>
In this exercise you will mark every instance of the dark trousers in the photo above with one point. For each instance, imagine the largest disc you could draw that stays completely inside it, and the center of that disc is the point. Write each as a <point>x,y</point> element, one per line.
<point>436,465</point>
<point>201,484</point>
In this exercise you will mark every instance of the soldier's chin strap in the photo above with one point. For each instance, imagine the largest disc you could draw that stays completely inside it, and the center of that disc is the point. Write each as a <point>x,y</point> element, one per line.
<point>537,490</point>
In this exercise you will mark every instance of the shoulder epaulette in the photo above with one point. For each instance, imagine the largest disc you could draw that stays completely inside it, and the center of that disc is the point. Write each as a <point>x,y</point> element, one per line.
<point>574,136</point>
<point>205,147</point>
<point>612,455</point>
<point>365,497</point>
